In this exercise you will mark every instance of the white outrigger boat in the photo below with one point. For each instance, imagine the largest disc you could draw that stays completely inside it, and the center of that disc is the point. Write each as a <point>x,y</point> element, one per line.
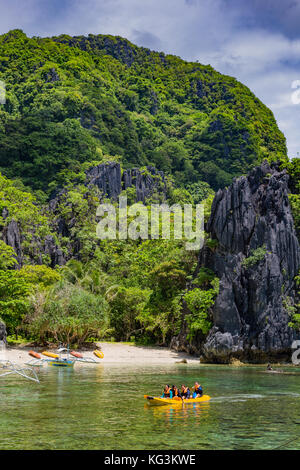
<point>9,368</point>
<point>64,358</point>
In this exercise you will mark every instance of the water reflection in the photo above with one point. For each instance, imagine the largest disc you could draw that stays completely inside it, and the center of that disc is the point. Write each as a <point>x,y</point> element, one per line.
<point>170,413</point>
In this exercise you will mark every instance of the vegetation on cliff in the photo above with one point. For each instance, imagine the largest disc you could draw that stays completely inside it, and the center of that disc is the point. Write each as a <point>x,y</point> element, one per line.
<point>73,103</point>
<point>75,100</point>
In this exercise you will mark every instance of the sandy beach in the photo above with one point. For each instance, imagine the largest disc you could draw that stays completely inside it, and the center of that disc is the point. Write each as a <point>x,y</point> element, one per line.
<point>115,353</point>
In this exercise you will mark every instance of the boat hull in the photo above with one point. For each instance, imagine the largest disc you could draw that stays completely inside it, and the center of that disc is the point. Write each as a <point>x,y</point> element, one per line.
<point>61,363</point>
<point>157,401</point>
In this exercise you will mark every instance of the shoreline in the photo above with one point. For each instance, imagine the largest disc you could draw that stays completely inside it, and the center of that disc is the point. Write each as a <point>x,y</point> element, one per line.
<point>118,353</point>
<point>114,353</point>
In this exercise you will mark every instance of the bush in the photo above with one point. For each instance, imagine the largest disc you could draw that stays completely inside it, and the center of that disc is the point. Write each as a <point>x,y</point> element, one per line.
<point>67,314</point>
<point>199,302</point>
<point>257,255</point>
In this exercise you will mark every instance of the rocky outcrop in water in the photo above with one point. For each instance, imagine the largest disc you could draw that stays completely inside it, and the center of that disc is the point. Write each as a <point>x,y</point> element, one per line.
<point>256,258</point>
<point>256,261</point>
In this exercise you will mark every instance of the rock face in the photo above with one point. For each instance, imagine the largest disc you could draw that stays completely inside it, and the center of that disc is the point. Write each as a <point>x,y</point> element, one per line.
<point>111,182</point>
<point>256,260</point>
<point>56,255</point>
<point>12,237</point>
<point>2,332</point>
<point>107,177</point>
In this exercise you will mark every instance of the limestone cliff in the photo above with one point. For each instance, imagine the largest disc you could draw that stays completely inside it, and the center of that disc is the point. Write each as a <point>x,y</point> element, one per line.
<point>110,181</point>
<point>109,178</point>
<point>256,260</point>
<point>2,332</point>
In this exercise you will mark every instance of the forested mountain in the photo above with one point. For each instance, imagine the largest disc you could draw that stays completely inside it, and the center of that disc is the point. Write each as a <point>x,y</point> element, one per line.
<point>86,99</point>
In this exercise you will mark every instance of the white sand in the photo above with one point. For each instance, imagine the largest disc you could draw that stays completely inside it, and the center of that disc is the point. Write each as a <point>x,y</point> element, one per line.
<point>115,353</point>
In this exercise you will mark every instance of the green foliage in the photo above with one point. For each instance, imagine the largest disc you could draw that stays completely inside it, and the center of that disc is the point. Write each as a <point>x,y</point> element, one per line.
<point>295,206</point>
<point>71,101</point>
<point>7,256</point>
<point>207,206</point>
<point>78,210</point>
<point>212,243</point>
<point>180,196</point>
<point>200,191</point>
<point>14,292</point>
<point>161,319</point>
<point>199,302</point>
<point>167,278</point>
<point>125,306</point>
<point>20,206</point>
<point>40,276</point>
<point>67,313</point>
<point>130,193</point>
<point>256,256</point>
<point>293,308</point>
<point>204,278</point>
<point>293,168</point>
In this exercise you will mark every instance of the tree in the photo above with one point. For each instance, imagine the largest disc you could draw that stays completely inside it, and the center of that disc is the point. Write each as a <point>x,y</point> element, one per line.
<point>125,306</point>
<point>14,292</point>
<point>199,302</point>
<point>7,256</point>
<point>67,314</point>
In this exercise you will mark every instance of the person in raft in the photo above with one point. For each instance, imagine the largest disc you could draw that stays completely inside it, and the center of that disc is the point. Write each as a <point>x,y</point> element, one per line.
<point>198,390</point>
<point>167,393</point>
<point>175,391</point>
<point>185,392</point>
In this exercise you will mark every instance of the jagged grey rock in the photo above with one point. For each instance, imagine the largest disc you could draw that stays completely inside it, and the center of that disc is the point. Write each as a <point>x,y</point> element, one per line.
<point>11,236</point>
<point>111,182</point>
<point>107,177</point>
<point>250,316</point>
<point>2,332</point>
<point>56,255</point>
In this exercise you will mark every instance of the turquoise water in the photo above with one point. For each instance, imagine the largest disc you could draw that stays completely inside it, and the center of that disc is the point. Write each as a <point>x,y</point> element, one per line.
<point>102,407</point>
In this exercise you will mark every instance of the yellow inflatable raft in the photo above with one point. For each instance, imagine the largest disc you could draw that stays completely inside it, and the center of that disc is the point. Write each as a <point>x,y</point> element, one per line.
<point>158,401</point>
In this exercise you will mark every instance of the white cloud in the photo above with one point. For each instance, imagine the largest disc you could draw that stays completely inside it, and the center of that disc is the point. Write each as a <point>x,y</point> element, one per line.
<point>267,63</point>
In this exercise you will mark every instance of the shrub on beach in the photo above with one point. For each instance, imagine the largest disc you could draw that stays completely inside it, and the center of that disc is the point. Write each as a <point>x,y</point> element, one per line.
<point>67,314</point>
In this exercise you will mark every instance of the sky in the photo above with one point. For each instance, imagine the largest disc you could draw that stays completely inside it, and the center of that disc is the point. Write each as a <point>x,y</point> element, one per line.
<point>256,41</point>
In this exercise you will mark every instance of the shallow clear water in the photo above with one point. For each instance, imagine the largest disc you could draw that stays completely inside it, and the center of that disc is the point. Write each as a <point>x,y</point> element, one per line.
<point>102,407</point>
